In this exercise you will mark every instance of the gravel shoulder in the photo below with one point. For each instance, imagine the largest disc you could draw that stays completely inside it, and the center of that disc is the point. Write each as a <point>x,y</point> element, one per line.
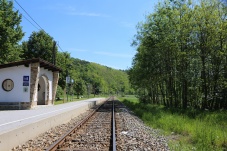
<point>134,135</point>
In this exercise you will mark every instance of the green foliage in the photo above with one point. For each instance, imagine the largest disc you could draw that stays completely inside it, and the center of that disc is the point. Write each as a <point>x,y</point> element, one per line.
<point>59,93</point>
<point>78,88</point>
<point>39,45</point>
<point>11,32</point>
<point>192,129</point>
<point>95,79</point>
<point>181,55</point>
<point>63,61</point>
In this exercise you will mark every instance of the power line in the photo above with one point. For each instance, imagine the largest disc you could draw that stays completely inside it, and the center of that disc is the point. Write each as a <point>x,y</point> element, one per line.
<point>27,19</point>
<point>29,15</point>
<point>59,47</point>
<point>33,21</point>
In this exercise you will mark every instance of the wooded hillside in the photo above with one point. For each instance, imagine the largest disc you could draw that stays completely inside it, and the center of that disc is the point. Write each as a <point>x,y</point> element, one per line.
<point>93,78</point>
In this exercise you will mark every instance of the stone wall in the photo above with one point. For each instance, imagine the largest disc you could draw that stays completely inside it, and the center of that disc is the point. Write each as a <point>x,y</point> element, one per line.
<point>34,80</point>
<point>46,80</point>
<point>55,84</point>
<point>15,105</point>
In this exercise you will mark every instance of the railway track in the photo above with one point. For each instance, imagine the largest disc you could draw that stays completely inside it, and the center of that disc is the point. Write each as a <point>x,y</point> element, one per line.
<point>95,132</point>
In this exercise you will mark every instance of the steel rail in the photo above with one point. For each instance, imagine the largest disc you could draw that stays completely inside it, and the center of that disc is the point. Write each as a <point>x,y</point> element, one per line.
<point>61,140</point>
<point>113,129</point>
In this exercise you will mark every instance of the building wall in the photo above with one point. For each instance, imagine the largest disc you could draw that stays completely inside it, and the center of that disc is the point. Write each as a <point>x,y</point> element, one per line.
<point>17,94</point>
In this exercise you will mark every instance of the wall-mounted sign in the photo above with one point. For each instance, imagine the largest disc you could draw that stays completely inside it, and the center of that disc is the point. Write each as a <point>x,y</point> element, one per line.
<point>25,80</point>
<point>25,89</point>
<point>25,83</point>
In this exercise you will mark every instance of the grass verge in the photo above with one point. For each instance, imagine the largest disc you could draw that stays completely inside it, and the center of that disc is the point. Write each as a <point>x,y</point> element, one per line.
<point>186,129</point>
<point>74,99</point>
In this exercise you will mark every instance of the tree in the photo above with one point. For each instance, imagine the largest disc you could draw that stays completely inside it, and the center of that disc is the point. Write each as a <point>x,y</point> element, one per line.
<point>79,88</point>
<point>63,61</point>
<point>182,55</point>
<point>11,32</point>
<point>39,45</point>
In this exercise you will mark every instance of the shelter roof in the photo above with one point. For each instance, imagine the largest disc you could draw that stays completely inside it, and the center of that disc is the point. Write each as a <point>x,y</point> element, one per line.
<point>43,63</point>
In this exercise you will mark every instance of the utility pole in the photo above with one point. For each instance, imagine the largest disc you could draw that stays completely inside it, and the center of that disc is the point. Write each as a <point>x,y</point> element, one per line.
<point>71,89</point>
<point>67,86</point>
<point>88,90</point>
<point>68,81</point>
<point>54,53</point>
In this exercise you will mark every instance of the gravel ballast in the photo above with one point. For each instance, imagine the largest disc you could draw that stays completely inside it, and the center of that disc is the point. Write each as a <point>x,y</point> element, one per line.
<point>131,134</point>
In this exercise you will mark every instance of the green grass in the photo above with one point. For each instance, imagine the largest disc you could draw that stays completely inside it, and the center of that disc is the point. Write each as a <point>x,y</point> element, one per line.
<point>191,129</point>
<point>57,102</point>
<point>74,99</point>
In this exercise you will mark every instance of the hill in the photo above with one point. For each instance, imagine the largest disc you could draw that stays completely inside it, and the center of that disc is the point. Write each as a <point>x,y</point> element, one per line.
<point>93,78</point>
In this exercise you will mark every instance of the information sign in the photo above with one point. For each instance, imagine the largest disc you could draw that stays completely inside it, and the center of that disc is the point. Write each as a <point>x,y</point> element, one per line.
<point>67,79</point>
<point>25,80</point>
<point>25,83</point>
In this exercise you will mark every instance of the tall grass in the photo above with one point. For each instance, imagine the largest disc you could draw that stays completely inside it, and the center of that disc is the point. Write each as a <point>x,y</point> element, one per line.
<point>194,129</point>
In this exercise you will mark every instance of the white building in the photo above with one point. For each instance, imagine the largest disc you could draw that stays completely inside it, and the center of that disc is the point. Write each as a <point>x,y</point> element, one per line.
<point>26,84</point>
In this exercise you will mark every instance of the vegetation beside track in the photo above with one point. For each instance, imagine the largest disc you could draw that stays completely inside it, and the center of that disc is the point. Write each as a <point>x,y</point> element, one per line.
<point>186,129</point>
<point>74,99</point>
<point>61,101</point>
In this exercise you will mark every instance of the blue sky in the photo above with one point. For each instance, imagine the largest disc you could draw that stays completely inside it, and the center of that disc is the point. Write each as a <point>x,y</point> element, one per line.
<point>99,31</point>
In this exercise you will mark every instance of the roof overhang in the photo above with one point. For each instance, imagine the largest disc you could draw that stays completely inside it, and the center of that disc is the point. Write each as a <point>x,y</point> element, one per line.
<point>43,63</point>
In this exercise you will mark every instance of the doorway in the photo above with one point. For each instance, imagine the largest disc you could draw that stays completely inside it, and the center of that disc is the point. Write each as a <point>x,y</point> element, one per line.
<point>42,90</point>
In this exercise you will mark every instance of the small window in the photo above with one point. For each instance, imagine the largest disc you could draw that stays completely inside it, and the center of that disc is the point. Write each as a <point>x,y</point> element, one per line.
<point>7,85</point>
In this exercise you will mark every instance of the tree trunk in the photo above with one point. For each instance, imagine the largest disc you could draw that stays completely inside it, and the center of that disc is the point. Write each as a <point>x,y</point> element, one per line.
<point>185,94</point>
<point>204,85</point>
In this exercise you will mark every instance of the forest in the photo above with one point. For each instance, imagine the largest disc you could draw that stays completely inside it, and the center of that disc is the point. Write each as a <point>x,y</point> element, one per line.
<point>181,58</point>
<point>92,78</point>
<point>86,77</point>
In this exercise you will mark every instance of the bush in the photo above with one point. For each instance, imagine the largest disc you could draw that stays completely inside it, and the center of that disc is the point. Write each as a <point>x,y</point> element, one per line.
<point>59,93</point>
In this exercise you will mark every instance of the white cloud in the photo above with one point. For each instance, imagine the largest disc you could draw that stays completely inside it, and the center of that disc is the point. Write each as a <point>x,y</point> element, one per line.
<point>104,53</point>
<point>70,10</point>
<point>76,50</point>
<point>119,55</point>
<point>79,50</point>
<point>74,13</point>
<point>127,24</point>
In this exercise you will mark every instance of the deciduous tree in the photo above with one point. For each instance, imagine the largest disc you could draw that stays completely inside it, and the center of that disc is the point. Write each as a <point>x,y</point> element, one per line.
<point>39,45</point>
<point>10,32</point>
